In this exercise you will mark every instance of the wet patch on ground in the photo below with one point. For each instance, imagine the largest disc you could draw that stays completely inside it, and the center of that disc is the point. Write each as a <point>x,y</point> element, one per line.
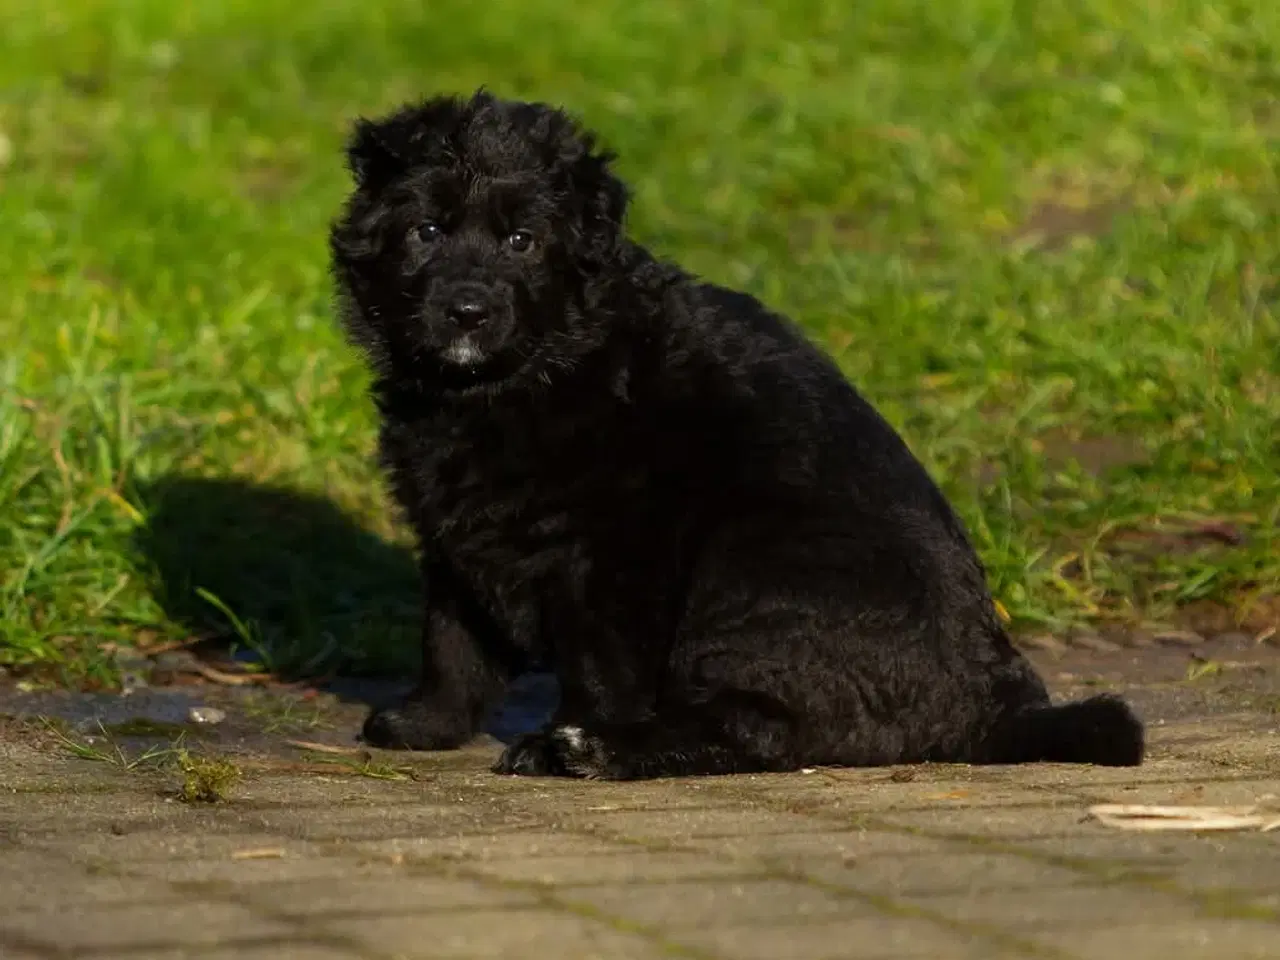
<point>262,722</point>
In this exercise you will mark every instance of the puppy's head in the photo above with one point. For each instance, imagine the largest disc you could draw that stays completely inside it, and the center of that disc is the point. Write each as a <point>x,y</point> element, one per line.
<point>470,244</point>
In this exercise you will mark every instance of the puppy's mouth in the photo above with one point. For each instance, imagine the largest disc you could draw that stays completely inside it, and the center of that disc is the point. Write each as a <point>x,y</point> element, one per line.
<point>468,360</point>
<point>464,352</point>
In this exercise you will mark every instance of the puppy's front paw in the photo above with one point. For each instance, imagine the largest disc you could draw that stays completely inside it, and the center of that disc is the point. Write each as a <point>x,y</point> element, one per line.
<point>411,726</point>
<point>560,750</point>
<point>530,755</point>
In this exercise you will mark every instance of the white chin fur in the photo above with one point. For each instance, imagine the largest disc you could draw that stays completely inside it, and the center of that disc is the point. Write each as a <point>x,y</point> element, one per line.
<point>463,352</point>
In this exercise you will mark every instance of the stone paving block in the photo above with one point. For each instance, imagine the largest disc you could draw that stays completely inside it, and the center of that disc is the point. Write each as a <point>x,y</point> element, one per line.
<point>1044,779</point>
<point>888,796</point>
<point>955,872</point>
<point>479,788</point>
<point>513,934</point>
<point>1255,744</point>
<point>404,893</point>
<point>21,863</point>
<point>1144,940</point>
<point>1065,778</point>
<point>637,866</point>
<point>1240,792</point>
<point>429,819</point>
<point>1012,822</point>
<point>139,928</point>
<point>1025,911</point>
<point>256,869</point>
<point>711,903</point>
<point>593,796</point>
<point>832,800</point>
<point>494,846</point>
<point>863,938</point>
<point>319,791</point>
<point>1102,849</point>
<point>48,887</point>
<point>60,815</point>
<point>34,806</point>
<point>974,796</point>
<point>1235,877</point>
<point>834,864</point>
<point>1255,754</point>
<point>61,779</point>
<point>820,798</point>
<point>790,848</point>
<point>189,841</point>
<point>643,825</point>
<point>290,949</point>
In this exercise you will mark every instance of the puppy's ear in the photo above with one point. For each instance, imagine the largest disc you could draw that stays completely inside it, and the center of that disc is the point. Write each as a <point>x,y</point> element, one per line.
<point>372,154</point>
<point>611,195</point>
<point>603,199</point>
<point>382,149</point>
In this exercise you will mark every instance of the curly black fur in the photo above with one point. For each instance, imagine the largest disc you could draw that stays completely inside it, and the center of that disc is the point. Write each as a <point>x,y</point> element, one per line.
<point>656,484</point>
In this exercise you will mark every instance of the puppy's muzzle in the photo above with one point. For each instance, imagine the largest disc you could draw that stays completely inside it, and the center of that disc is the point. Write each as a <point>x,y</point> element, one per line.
<point>467,313</point>
<point>469,306</point>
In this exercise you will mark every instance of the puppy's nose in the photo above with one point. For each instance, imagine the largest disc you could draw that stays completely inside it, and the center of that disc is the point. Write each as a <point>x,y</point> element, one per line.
<point>468,313</point>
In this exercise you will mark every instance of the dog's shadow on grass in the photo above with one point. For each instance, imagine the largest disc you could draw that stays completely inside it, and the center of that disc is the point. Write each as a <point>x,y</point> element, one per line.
<point>290,580</point>
<point>281,576</point>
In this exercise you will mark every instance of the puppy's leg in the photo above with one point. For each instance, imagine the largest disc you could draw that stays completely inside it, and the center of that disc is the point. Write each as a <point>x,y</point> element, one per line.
<point>606,678</point>
<point>719,700</point>
<point>462,679</point>
<point>732,732</point>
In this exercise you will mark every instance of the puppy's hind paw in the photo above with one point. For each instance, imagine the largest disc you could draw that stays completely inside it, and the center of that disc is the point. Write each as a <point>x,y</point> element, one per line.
<point>560,750</point>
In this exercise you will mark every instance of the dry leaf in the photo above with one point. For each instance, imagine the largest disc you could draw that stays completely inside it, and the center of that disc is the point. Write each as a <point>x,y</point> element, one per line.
<point>1136,816</point>
<point>259,853</point>
<point>231,679</point>
<point>327,748</point>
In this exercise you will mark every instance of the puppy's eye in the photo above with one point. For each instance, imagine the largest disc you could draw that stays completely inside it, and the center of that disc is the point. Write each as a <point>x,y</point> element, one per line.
<point>429,231</point>
<point>521,241</point>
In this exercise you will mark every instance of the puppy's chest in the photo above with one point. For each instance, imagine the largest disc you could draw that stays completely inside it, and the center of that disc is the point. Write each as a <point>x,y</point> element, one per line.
<point>536,498</point>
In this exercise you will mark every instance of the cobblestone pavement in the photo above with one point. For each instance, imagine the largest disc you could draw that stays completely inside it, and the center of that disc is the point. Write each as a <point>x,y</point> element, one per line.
<point>334,856</point>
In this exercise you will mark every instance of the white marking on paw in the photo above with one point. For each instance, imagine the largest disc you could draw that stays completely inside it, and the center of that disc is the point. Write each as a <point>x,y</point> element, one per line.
<point>463,351</point>
<point>573,736</point>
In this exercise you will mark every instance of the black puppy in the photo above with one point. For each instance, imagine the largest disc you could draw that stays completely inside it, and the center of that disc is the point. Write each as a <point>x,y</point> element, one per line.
<point>732,561</point>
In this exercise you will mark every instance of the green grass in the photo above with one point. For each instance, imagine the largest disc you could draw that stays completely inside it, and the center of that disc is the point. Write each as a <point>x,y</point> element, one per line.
<point>110,751</point>
<point>1043,239</point>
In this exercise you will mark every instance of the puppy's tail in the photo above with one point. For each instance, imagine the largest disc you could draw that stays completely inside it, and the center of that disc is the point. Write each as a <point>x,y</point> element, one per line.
<point>1101,730</point>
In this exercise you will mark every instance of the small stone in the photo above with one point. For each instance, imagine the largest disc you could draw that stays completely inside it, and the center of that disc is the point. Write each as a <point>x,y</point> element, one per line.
<point>206,715</point>
<point>174,665</point>
<point>131,682</point>
<point>1179,638</point>
<point>135,670</point>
